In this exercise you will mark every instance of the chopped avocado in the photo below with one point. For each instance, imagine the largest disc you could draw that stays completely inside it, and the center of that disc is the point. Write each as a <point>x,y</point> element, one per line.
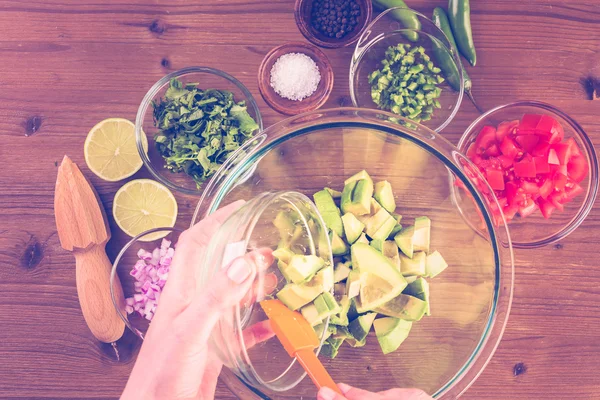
<point>284,223</point>
<point>301,267</point>
<point>404,240</point>
<point>313,314</point>
<point>362,239</point>
<point>385,196</point>
<point>352,311</point>
<point>373,223</point>
<point>419,289</point>
<point>353,284</point>
<point>385,230</point>
<point>411,279</point>
<point>329,211</point>
<point>375,207</point>
<point>360,327</point>
<point>341,318</point>
<point>435,264</point>
<point>332,304</point>
<point>323,279</point>
<point>338,246</point>
<point>331,347</point>
<point>295,296</point>
<point>391,332</point>
<point>397,228</point>
<point>322,307</point>
<point>341,271</point>
<point>390,250</point>
<point>361,198</point>
<point>397,217</point>
<point>320,330</point>
<point>346,199</point>
<point>352,227</point>
<point>376,291</point>
<point>283,254</point>
<point>421,237</point>
<point>283,269</point>
<point>366,259</point>
<point>357,177</point>
<point>334,193</point>
<point>413,266</point>
<point>377,245</point>
<point>405,307</point>
<point>291,241</point>
<point>342,332</point>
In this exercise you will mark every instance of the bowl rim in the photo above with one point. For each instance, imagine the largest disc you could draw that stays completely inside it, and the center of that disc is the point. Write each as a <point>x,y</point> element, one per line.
<point>501,302</point>
<point>589,150</point>
<point>364,44</point>
<point>155,89</point>
<point>309,50</point>
<point>302,25</point>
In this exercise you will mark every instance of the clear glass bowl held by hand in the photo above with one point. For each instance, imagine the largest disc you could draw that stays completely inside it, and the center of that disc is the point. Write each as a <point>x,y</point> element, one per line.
<point>206,78</point>
<point>470,301</point>
<point>534,230</point>
<point>388,30</point>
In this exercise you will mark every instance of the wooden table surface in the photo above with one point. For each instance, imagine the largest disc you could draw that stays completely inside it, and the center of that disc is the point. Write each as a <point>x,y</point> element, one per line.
<point>67,64</point>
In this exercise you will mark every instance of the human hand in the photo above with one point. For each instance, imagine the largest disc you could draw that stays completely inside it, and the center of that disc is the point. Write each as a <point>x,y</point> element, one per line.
<point>175,361</point>
<point>351,393</point>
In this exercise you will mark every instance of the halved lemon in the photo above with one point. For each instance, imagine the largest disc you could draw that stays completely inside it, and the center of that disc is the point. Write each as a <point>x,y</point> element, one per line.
<point>110,149</point>
<point>144,204</point>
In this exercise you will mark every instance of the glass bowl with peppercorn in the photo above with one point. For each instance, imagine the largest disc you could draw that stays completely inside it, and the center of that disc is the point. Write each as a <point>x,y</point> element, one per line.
<point>404,64</point>
<point>194,120</point>
<point>332,23</point>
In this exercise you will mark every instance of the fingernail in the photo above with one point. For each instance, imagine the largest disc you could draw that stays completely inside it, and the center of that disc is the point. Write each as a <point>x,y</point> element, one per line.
<point>326,394</point>
<point>344,388</point>
<point>239,270</point>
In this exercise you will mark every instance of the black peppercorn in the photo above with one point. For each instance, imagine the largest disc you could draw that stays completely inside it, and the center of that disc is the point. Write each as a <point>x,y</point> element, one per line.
<point>334,18</point>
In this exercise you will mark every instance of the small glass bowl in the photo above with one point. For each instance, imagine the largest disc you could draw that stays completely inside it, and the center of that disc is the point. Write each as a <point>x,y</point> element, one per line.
<point>122,267</point>
<point>386,31</point>
<point>207,78</point>
<point>534,230</point>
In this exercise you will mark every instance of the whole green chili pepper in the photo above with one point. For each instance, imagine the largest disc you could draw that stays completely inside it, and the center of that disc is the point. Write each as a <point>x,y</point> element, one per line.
<point>407,18</point>
<point>459,12</point>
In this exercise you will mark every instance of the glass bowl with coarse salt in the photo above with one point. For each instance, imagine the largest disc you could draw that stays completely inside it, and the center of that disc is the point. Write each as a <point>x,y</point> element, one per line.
<point>295,78</point>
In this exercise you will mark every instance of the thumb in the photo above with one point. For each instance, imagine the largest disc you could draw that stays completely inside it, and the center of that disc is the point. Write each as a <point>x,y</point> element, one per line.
<point>353,393</point>
<point>326,393</point>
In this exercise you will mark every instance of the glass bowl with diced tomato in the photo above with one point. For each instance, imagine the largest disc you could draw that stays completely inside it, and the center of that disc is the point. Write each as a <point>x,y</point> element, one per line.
<point>541,165</point>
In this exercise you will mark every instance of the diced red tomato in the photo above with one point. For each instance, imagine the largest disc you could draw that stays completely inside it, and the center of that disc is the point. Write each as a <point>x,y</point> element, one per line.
<point>527,142</point>
<point>541,165</point>
<point>486,137</point>
<point>509,148</point>
<point>546,208</point>
<point>528,124</point>
<point>505,128</point>
<point>574,148</point>
<point>556,200</point>
<point>528,209</point>
<point>525,169</point>
<point>573,191</point>
<point>563,152</point>
<point>492,151</point>
<point>559,169</point>
<point>510,212</point>
<point>472,150</point>
<point>559,181</point>
<point>541,150</point>
<point>502,201</point>
<point>550,129</point>
<point>577,168</point>
<point>558,133</point>
<point>546,188</point>
<point>505,161</point>
<point>495,178</point>
<point>530,187</point>
<point>553,157</point>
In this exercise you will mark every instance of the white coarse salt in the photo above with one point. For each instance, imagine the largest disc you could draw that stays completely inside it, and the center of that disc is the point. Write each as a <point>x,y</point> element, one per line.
<point>295,76</point>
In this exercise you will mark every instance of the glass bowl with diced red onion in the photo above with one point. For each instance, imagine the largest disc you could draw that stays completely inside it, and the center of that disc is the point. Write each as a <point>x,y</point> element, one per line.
<point>143,268</point>
<point>541,166</point>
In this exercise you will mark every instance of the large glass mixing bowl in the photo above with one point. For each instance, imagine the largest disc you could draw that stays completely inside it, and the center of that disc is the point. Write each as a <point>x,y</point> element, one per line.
<point>470,301</point>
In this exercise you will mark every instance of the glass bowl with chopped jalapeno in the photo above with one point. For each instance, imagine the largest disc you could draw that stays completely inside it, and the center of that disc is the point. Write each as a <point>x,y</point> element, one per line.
<point>412,295</point>
<point>404,64</point>
<point>194,119</point>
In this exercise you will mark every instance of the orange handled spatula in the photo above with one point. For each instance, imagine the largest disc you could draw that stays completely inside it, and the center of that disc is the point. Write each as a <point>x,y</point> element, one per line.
<point>299,340</point>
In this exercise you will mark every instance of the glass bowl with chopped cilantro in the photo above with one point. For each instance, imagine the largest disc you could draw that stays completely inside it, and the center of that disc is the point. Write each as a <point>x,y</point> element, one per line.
<point>194,120</point>
<point>404,64</point>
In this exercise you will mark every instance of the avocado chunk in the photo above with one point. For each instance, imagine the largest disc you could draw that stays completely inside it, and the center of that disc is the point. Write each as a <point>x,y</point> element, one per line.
<point>360,327</point>
<point>410,279</point>
<point>385,196</point>
<point>377,245</point>
<point>341,318</point>
<point>320,330</point>
<point>295,296</point>
<point>397,217</point>
<point>323,306</point>
<point>283,269</point>
<point>367,259</point>
<point>346,199</point>
<point>435,264</point>
<point>404,240</point>
<point>391,332</point>
<point>361,198</point>
<point>374,222</point>
<point>421,237</point>
<point>301,267</point>
<point>352,227</point>
<point>329,211</point>
<point>352,311</point>
<point>283,254</point>
<point>405,307</point>
<point>323,279</point>
<point>353,284</point>
<point>362,239</point>
<point>397,228</point>
<point>334,193</point>
<point>419,289</point>
<point>385,230</point>
<point>375,207</point>
<point>341,271</point>
<point>413,266</point>
<point>376,291</point>
<point>390,250</point>
<point>338,246</point>
<point>331,347</point>
<point>357,177</point>
<point>284,223</point>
